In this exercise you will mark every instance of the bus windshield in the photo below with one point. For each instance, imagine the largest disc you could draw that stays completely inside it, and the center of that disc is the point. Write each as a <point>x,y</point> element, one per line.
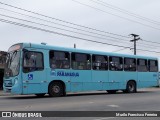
<point>12,64</point>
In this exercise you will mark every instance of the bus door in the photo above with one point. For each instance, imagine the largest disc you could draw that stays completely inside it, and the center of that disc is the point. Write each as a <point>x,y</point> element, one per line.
<point>100,72</point>
<point>116,74</point>
<point>80,74</point>
<point>34,73</point>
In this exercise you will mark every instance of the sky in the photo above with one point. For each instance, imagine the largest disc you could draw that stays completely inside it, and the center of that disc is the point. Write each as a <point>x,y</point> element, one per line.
<point>85,13</point>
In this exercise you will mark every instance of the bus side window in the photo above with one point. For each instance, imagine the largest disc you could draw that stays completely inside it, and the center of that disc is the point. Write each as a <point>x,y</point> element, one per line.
<point>33,61</point>
<point>81,61</point>
<point>28,59</point>
<point>153,65</point>
<point>116,63</point>
<point>99,62</point>
<point>129,64</point>
<point>59,59</point>
<point>142,65</point>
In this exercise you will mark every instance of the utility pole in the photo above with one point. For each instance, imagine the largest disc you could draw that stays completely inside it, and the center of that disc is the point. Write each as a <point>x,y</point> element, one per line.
<point>135,39</point>
<point>74,45</point>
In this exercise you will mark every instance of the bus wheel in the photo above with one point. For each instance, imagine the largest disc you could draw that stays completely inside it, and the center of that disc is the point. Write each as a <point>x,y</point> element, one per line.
<point>111,91</point>
<point>131,87</point>
<point>55,89</point>
<point>40,95</point>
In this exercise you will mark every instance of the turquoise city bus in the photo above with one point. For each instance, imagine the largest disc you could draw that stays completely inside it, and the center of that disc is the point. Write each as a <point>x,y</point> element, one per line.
<point>42,69</point>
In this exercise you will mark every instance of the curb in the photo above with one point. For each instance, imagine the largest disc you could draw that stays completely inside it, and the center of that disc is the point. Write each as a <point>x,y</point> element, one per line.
<point>2,93</point>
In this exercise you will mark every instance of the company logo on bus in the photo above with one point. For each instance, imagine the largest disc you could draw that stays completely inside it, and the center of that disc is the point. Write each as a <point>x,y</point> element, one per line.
<point>64,74</point>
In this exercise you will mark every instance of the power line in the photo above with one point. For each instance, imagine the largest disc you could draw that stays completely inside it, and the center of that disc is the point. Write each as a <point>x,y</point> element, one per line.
<point>105,4</point>
<point>62,29</point>
<point>70,30</point>
<point>150,45</point>
<point>121,49</point>
<point>42,15</point>
<point>64,22</point>
<point>116,15</point>
<point>148,50</point>
<point>58,33</point>
<point>147,46</point>
<point>129,13</point>
<point>49,31</point>
<point>150,41</point>
<point>63,25</point>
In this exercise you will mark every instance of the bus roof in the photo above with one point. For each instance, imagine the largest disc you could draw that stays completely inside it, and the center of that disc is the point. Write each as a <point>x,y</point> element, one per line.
<point>49,47</point>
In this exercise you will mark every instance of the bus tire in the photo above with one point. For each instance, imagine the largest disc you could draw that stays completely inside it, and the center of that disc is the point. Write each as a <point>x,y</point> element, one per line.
<point>55,89</point>
<point>40,95</point>
<point>111,91</point>
<point>64,93</point>
<point>131,87</point>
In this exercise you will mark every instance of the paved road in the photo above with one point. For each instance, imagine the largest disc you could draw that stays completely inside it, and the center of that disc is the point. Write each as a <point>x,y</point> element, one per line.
<point>144,100</point>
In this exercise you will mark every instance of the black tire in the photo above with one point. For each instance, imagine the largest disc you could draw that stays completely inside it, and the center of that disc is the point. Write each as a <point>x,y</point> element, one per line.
<point>40,95</point>
<point>111,91</point>
<point>55,89</point>
<point>131,87</point>
<point>64,93</point>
